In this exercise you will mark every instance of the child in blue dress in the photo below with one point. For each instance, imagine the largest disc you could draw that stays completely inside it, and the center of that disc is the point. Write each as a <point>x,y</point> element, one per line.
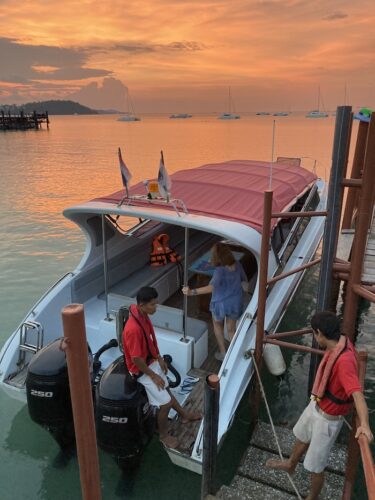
<point>227,294</point>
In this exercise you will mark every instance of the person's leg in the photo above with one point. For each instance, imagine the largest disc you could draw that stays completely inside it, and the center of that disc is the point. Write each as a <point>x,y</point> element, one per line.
<point>160,398</point>
<point>165,438</point>
<point>317,482</point>
<point>185,415</point>
<point>289,465</point>
<point>219,334</point>
<point>231,327</point>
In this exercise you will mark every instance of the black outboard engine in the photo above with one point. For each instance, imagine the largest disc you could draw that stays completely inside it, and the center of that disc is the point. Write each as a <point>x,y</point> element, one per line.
<point>124,418</point>
<point>48,394</point>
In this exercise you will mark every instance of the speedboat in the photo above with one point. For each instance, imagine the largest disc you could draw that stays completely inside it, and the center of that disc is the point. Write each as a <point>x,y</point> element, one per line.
<point>214,202</point>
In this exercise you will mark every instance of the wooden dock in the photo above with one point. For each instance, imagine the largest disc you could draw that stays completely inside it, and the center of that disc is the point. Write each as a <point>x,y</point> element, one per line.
<point>23,121</point>
<point>254,480</point>
<point>368,274</point>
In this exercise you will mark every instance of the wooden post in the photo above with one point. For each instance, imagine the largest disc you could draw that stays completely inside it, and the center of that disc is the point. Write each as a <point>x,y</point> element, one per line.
<point>210,431</point>
<point>332,224</point>
<point>75,347</point>
<point>359,156</point>
<point>364,217</point>
<point>262,297</point>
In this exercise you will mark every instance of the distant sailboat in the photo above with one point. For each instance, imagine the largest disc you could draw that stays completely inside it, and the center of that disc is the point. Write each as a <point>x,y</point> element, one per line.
<point>181,115</point>
<point>231,115</point>
<point>316,113</point>
<point>129,115</point>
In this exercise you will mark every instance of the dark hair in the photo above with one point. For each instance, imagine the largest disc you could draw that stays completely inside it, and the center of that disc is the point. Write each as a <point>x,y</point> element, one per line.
<point>221,255</point>
<point>328,323</point>
<point>146,294</point>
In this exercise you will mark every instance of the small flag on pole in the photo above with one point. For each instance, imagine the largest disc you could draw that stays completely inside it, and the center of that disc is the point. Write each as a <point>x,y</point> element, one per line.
<point>164,181</point>
<point>125,173</point>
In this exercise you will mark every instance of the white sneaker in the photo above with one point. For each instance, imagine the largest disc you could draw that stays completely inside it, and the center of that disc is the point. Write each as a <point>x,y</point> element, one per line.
<point>219,355</point>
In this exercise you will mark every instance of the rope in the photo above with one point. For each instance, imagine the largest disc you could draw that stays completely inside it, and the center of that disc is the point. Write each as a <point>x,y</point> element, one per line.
<point>272,424</point>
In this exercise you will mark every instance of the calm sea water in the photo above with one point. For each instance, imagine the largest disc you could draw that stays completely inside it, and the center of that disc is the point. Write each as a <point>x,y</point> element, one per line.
<point>42,173</point>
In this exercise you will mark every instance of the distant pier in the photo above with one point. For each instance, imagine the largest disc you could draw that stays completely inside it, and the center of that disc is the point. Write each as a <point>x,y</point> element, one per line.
<point>23,121</point>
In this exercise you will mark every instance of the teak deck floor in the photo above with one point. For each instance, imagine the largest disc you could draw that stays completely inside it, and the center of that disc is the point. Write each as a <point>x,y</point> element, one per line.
<point>186,433</point>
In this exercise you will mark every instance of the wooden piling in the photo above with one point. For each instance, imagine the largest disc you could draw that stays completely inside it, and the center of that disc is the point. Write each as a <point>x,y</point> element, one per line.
<point>210,433</point>
<point>75,346</point>
<point>364,217</point>
<point>359,156</point>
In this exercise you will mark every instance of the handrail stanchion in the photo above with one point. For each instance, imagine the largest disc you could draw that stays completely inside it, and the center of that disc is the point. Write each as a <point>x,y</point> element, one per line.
<point>210,433</point>
<point>353,448</point>
<point>262,296</point>
<point>185,283</point>
<point>74,345</point>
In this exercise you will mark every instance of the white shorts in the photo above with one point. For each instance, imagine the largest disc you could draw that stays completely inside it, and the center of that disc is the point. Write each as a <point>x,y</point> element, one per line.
<point>156,397</point>
<point>312,427</point>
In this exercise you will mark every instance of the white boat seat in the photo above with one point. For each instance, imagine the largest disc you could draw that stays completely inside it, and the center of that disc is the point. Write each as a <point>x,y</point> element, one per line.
<point>171,319</point>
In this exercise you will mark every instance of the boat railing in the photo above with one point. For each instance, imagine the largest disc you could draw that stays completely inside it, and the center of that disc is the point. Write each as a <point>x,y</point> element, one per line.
<point>247,316</point>
<point>178,205</point>
<point>32,312</point>
<point>297,223</point>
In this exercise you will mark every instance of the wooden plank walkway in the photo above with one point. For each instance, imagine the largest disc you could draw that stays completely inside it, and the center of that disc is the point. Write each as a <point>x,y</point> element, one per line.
<point>368,274</point>
<point>254,480</point>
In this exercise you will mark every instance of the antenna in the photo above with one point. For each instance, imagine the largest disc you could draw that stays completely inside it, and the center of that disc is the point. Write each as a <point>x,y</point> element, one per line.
<point>272,153</point>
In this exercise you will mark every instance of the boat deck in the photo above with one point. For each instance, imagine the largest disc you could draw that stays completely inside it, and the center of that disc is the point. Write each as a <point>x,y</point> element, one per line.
<point>186,433</point>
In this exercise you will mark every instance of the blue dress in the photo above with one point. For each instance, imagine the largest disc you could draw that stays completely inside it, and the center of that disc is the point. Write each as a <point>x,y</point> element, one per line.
<point>227,294</point>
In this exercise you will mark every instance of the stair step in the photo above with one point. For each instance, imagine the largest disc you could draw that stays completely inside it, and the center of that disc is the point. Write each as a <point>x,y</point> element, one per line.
<point>263,437</point>
<point>253,467</point>
<point>243,488</point>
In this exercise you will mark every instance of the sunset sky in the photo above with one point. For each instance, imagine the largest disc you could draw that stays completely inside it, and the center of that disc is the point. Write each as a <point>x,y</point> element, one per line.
<point>183,55</point>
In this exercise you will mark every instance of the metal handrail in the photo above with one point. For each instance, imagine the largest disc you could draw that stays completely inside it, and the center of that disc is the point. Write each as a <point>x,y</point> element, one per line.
<point>175,203</point>
<point>368,465</point>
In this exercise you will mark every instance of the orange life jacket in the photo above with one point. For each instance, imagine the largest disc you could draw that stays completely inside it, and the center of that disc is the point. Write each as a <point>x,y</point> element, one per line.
<point>161,253</point>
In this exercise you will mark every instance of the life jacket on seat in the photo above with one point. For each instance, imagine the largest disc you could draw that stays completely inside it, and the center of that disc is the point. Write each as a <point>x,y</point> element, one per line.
<point>161,253</point>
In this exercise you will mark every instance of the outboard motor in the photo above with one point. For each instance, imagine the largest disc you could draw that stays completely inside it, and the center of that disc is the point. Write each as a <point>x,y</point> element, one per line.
<point>48,394</point>
<point>124,418</point>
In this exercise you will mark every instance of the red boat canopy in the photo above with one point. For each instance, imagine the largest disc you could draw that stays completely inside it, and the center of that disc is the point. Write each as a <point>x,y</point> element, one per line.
<point>233,190</point>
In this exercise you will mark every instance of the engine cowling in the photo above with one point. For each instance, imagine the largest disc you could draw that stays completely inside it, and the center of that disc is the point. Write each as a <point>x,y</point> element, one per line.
<point>124,419</point>
<point>48,394</point>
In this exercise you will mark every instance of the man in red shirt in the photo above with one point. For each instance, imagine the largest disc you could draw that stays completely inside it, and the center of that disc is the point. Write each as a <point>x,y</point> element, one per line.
<point>144,362</point>
<point>336,388</point>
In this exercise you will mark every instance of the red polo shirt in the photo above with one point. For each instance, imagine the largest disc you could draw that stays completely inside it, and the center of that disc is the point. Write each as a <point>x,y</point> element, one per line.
<point>134,338</point>
<point>342,383</point>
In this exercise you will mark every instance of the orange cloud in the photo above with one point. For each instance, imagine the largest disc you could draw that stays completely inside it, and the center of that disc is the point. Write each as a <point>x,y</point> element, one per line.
<point>183,48</point>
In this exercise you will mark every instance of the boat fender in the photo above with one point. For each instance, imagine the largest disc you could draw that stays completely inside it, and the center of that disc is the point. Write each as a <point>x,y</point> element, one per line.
<point>274,359</point>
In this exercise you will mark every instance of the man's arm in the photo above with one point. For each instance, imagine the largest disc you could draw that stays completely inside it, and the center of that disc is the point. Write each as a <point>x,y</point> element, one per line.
<point>142,366</point>
<point>362,412</point>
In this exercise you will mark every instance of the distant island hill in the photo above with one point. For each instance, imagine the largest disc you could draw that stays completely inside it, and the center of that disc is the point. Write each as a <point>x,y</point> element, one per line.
<point>58,107</point>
